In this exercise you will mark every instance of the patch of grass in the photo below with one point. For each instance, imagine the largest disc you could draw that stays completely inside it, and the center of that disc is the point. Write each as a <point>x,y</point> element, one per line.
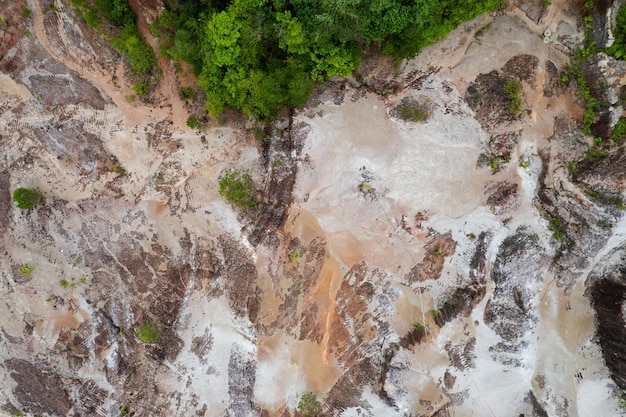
<point>238,189</point>
<point>418,325</point>
<point>260,134</point>
<point>51,8</point>
<point>2,21</point>
<point>435,313</point>
<point>571,168</point>
<point>26,33</point>
<point>130,98</point>
<point>412,112</point>
<point>119,169</point>
<point>309,405</point>
<point>26,198</point>
<point>26,270</point>
<point>482,29</point>
<point>123,409</point>
<point>26,12</point>
<point>64,283</point>
<point>193,122</point>
<point>606,199</point>
<point>148,332</point>
<point>546,3</point>
<point>513,91</point>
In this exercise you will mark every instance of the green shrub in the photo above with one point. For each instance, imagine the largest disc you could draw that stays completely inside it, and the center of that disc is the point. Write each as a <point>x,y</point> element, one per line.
<point>148,332</point>
<point>619,131</point>
<point>238,189</point>
<point>193,122</point>
<point>26,198</point>
<point>26,12</point>
<point>309,405</point>
<point>412,112</point>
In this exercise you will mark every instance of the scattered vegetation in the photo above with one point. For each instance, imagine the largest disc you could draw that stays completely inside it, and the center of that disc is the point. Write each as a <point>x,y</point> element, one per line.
<point>148,332</point>
<point>294,255</point>
<point>125,38</point>
<point>418,325</point>
<point>26,270</point>
<point>554,224</point>
<point>238,189</point>
<point>26,12</point>
<point>119,169</point>
<point>309,405</point>
<point>411,111</point>
<point>594,154</point>
<point>263,56</point>
<point>513,91</point>
<point>606,199</point>
<point>2,21</point>
<point>26,198</point>
<point>123,409</point>
<point>619,33</point>
<point>497,162</point>
<point>571,168</point>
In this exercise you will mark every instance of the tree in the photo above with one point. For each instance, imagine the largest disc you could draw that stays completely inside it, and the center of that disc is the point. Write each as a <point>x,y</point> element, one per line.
<point>26,198</point>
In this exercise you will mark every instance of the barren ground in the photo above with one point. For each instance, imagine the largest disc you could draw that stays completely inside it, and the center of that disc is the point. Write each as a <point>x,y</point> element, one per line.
<point>389,268</point>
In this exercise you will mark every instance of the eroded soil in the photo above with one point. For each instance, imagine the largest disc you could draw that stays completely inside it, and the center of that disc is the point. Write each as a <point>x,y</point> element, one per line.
<point>394,268</point>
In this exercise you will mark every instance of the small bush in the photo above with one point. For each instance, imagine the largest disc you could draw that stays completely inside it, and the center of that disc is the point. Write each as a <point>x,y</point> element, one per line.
<point>595,154</point>
<point>26,198</point>
<point>148,332</point>
<point>309,405</point>
<point>26,12</point>
<point>238,189</point>
<point>513,90</point>
<point>26,270</point>
<point>619,131</point>
<point>186,93</point>
<point>193,122</point>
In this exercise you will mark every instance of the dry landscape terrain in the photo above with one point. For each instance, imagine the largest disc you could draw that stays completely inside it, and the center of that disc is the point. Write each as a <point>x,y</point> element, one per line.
<point>468,263</point>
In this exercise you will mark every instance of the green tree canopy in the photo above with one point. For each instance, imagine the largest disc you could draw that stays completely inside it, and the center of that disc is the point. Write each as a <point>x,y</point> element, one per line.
<point>262,55</point>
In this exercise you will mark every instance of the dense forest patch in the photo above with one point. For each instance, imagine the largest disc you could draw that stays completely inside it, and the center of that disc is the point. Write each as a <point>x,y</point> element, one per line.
<point>260,56</point>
